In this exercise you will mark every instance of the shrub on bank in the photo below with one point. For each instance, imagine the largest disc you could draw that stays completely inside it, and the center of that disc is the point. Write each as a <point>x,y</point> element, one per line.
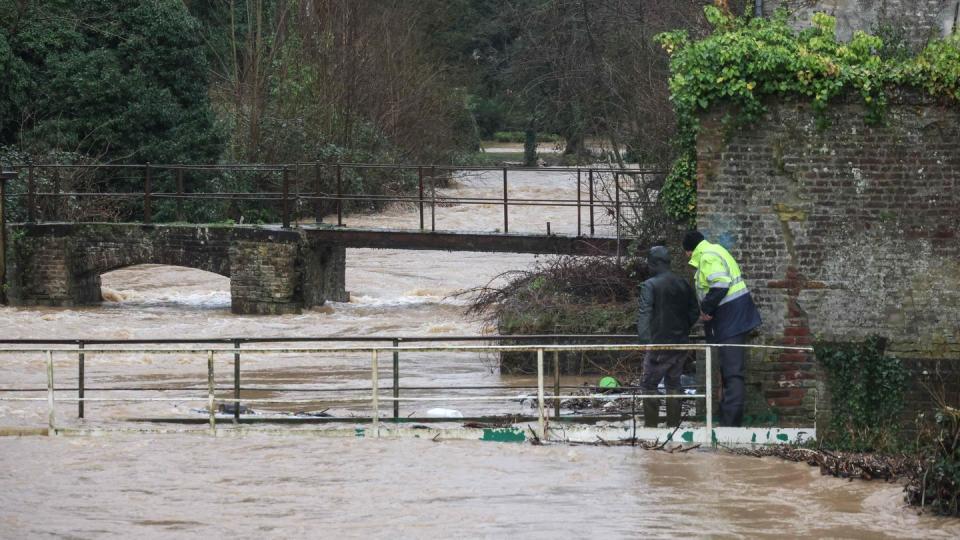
<point>867,401</point>
<point>936,481</point>
<point>565,295</point>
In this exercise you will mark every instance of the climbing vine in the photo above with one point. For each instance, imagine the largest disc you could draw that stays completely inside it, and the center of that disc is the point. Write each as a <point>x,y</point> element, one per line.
<point>866,394</point>
<point>746,59</point>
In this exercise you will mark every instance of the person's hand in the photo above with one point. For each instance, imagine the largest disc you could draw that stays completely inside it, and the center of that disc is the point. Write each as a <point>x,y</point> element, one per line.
<point>705,318</point>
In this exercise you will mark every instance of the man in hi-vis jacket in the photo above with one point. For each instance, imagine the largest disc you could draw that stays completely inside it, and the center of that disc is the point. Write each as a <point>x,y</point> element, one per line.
<point>668,308</point>
<point>728,314</point>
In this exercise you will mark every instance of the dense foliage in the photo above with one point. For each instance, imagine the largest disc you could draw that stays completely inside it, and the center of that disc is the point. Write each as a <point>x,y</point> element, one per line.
<point>385,81</point>
<point>122,81</point>
<point>936,484</point>
<point>866,394</point>
<point>745,60</point>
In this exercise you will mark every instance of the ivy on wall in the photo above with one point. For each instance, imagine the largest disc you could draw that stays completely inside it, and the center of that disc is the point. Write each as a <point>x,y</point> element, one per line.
<point>866,393</point>
<point>747,59</point>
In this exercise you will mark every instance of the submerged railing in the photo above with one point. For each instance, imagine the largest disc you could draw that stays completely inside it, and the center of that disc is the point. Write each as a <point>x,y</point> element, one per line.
<point>217,348</point>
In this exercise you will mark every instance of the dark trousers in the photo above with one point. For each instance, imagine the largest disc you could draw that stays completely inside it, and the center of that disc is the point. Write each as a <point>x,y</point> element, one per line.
<point>732,377</point>
<point>666,366</point>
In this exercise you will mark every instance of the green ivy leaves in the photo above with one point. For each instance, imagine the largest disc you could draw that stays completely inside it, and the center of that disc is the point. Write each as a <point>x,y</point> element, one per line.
<point>745,60</point>
<point>866,393</point>
<point>679,193</point>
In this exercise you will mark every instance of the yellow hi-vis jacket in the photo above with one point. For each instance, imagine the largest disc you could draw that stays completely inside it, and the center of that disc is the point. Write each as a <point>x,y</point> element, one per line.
<point>716,268</point>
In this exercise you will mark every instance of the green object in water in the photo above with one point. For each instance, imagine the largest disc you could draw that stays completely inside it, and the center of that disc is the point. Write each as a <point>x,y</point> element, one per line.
<point>609,382</point>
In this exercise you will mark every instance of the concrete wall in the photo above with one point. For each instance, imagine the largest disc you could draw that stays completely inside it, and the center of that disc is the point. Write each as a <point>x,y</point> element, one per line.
<point>919,20</point>
<point>270,271</point>
<point>842,232</point>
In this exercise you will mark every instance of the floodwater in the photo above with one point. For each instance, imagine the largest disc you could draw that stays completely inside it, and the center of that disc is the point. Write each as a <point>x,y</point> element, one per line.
<point>188,485</point>
<point>261,486</point>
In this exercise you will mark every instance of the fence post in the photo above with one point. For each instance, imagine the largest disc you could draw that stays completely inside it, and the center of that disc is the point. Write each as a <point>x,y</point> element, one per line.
<point>317,189</point>
<point>339,195</point>
<point>51,401</point>
<point>375,386</point>
<point>709,393</point>
<point>420,193</point>
<point>180,195</point>
<point>556,384</point>
<point>147,217</point>
<point>4,176</point>
<point>590,195</point>
<point>616,197</point>
<point>433,198</point>
<point>236,381</point>
<point>506,221</point>
<point>396,379</point>
<point>81,390</point>
<point>31,196</point>
<point>286,194</point>
<point>579,185</point>
<point>211,397</point>
<point>540,409</point>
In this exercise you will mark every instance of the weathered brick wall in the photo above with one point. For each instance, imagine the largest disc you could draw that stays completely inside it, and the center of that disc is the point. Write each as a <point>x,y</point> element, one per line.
<point>916,20</point>
<point>271,271</point>
<point>842,232</point>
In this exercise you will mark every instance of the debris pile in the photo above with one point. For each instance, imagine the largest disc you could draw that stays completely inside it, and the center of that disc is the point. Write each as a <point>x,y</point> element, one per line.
<point>840,464</point>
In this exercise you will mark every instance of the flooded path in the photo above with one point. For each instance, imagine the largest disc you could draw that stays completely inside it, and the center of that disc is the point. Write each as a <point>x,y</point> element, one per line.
<point>299,486</point>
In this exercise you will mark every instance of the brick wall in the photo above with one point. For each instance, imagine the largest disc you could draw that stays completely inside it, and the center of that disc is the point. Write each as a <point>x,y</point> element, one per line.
<point>842,232</point>
<point>916,20</point>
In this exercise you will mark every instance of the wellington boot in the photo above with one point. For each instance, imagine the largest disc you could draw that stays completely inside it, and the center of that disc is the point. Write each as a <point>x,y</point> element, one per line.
<point>673,412</point>
<point>651,412</point>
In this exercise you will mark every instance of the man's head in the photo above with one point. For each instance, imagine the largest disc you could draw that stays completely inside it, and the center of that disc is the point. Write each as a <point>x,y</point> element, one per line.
<point>691,240</point>
<point>658,260</point>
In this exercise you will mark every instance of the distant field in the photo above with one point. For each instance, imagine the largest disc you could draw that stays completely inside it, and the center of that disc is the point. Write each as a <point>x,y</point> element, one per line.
<point>496,158</point>
<point>495,147</point>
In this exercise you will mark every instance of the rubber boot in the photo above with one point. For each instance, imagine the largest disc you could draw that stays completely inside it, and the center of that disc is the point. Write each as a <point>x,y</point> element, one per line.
<point>673,412</point>
<point>651,412</point>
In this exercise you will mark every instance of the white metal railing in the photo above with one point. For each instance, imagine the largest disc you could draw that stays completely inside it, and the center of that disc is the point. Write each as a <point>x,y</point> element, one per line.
<point>375,397</point>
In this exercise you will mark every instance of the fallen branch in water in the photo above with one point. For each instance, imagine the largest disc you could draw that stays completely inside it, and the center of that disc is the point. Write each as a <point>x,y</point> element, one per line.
<point>535,440</point>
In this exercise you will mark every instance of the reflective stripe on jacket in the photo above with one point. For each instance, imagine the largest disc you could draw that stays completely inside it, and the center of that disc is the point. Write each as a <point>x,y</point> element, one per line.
<point>716,269</point>
<point>736,313</point>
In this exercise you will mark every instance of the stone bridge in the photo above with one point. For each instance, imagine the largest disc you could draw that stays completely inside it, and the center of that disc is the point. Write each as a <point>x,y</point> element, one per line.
<point>272,270</point>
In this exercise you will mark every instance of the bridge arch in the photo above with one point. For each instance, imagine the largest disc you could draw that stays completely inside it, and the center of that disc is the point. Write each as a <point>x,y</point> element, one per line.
<point>271,271</point>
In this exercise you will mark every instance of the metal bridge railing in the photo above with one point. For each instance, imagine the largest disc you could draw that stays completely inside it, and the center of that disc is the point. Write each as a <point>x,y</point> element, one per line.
<point>49,190</point>
<point>375,397</point>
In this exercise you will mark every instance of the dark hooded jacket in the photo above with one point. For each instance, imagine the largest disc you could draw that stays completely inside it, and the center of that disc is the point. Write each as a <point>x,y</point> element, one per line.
<point>668,304</point>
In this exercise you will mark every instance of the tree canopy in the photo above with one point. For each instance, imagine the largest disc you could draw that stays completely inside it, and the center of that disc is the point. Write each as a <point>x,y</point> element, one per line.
<point>118,80</point>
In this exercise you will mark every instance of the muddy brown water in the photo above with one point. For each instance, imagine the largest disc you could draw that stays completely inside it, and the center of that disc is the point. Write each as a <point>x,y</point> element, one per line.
<point>256,486</point>
<point>262,486</point>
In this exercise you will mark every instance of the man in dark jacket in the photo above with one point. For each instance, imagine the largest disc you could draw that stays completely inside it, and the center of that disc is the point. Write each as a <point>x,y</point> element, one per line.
<point>668,308</point>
